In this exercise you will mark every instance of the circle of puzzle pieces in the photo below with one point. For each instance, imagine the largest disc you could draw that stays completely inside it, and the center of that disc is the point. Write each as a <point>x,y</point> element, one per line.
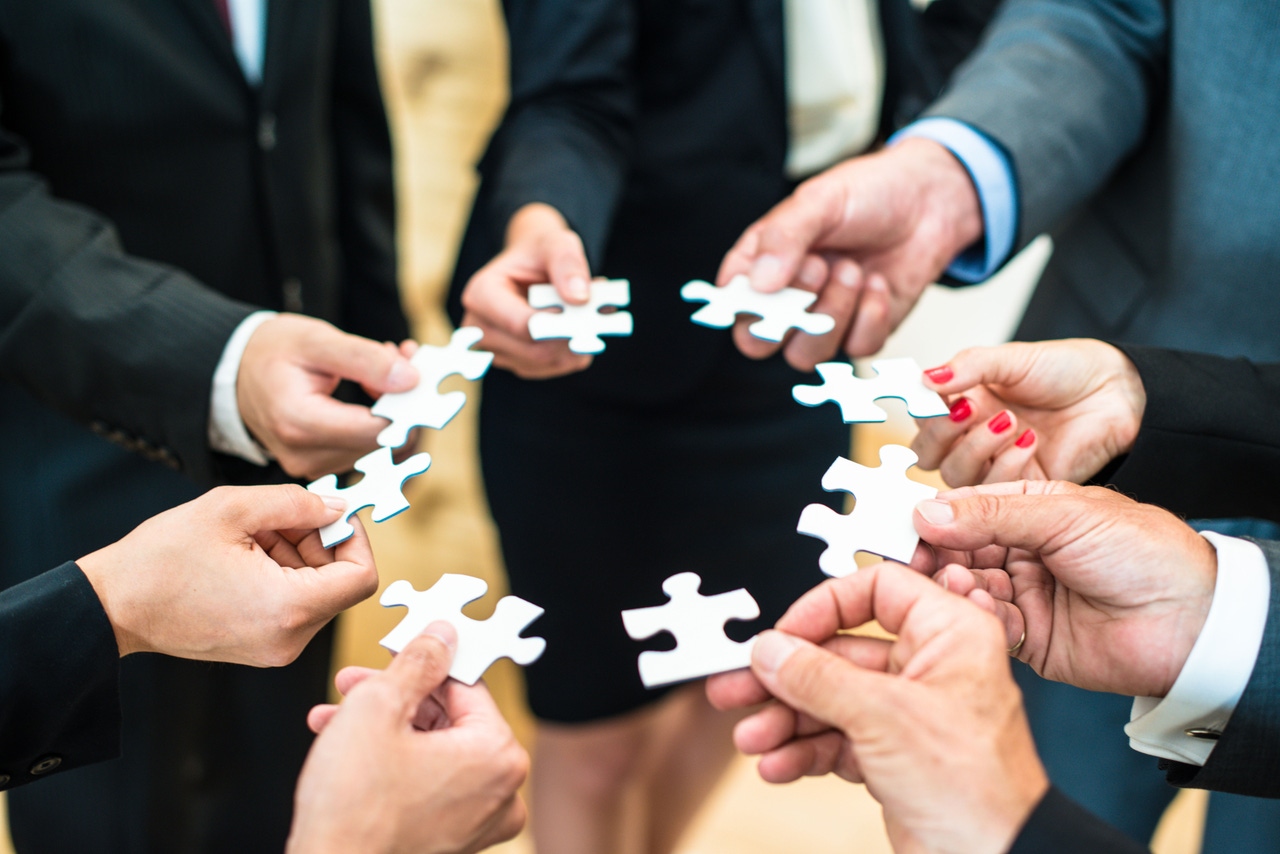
<point>881,519</point>
<point>480,642</point>
<point>581,324</point>
<point>857,396</point>
<point>778,311</point>
<point>424,405</point>
<point>697,622</point>
<point>380,488</point>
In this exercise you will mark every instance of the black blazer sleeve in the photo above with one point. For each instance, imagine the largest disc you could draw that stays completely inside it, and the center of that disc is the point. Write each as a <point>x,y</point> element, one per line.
<point>59,678</point>
<point>1209,444</point>
<point>1245,759</point>
<point>111,340</point>
<point>1060,825</point>
<point>565,140</point>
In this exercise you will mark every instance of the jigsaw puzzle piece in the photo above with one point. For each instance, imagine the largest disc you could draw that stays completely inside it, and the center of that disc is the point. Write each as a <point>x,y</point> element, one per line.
<point>581,324</point>
<point>380,488</point>
<point>480,642</point>
<point>856,396</point>
<point>697,622</point>
<point>778,311</point>
<point>423,405</point>
<point>880,522</point>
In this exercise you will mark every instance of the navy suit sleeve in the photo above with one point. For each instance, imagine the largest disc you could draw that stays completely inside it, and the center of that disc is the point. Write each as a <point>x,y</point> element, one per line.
<point>566,137</point>
<point>1245,759</point>
<point>1209,444</point>
<point>59,678</point>
<point>1066,87</point>
<point>1060,825</point>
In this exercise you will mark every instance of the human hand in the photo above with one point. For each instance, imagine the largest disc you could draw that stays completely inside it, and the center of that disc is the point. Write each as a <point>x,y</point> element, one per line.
<point>237,575</point>
<point>867,235</point>
<point>288,373</point>
<point>931,721</point>
<point>1052,410</point>
<point>410,762</point>
<point>540,248</point>
<point>1112,594</point>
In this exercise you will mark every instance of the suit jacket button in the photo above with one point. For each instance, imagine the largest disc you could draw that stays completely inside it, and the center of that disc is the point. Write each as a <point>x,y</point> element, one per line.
<point>267,132</point>
<point>291,290</point>
<point>4,780</point>
<point>44,766</point>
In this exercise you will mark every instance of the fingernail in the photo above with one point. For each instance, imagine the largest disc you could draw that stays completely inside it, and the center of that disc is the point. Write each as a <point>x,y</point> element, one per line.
<point>847,276</point>
<point>1000,422</point>
<point>765,271</point>
<point>940,375</point>
<point>333,502</point>
<point>1026,439</point>
<point>772,649</point>
<point>578,288</point>
<point>960,410</point>
<point>878,284</point>
<point>447,634</point>
<point>810,276</point>
<point>402,376</point>
<point>941,577</point>
<point>936,512</point>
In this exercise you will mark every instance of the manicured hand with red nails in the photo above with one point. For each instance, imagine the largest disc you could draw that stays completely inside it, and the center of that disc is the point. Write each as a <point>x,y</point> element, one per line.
<point>411,761</point>
<point>867,236</point>
<point>540,248</point>
<point>1053,410</point>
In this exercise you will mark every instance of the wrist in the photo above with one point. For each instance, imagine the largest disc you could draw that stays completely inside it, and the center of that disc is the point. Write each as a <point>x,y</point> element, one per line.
<point>948,203</point>
<point>533,222</point>
<point>1133,394</point>
<point>103,569</point>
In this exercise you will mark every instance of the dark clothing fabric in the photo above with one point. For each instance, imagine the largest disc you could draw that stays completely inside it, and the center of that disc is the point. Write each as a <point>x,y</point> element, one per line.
<point>1060,825</point>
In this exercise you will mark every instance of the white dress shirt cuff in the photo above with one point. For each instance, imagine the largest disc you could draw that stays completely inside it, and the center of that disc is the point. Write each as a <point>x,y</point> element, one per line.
<point>1217,671</point>
<point>227,433</point>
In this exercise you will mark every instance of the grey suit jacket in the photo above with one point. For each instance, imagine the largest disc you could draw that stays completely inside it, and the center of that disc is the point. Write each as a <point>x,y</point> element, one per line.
<point>1142,134</point>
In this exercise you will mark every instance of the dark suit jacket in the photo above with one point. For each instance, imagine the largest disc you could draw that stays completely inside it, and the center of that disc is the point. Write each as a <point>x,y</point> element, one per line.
<point>59,678</point>
<point>1142,134</point>
<point>1059,825</point>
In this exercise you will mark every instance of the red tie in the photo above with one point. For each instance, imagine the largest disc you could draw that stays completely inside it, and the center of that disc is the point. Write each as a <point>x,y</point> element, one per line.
<point>224,13</point>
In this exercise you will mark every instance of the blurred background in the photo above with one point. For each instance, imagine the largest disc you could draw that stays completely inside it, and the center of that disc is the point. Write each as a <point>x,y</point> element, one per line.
<point>443,67</point>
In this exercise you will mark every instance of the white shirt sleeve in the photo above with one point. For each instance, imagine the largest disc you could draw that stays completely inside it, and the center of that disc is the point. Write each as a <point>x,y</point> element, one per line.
<point>227,432</point>
<point>1218,668</point>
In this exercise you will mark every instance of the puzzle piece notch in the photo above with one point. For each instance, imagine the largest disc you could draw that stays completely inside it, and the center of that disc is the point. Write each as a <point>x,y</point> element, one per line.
<point>424,405</point>
<point>581,324</point>
<point>856,396</point>
<point>697,622</point>
<point>480,642</point>
<point>778,311</point>
<point>380,488</point>
<point>880,522</point>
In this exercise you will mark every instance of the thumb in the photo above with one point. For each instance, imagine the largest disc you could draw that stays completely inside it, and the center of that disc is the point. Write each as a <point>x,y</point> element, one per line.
<point>567,266</point>
<point>814,681</point>
<point>1005,365</point>
<point>279,507</point>
<point>378,368</point>
<point>788,233</point>
<point>1022,515</point>
<point>422,666</point>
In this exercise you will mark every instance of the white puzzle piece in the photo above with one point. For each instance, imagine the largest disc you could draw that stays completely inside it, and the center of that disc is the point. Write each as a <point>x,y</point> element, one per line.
<point>379,488</point>
<point>423,405</point>
<point>697,621</point>
<point>480,642</point>
<point>881,519</point>
<point>778,311</point>
<point>856,396</point>
<point>581,324</point>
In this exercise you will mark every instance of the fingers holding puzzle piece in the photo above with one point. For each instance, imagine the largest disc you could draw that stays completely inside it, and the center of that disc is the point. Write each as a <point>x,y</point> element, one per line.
<point>423,405</point>
<point>581,324</point>
<point>380,488</point>
<point>857,397</point>
<point>779,311</point>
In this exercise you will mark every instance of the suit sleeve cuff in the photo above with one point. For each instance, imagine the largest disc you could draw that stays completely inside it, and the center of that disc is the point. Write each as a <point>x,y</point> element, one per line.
<point>992,175</point>
<point>1217,671</point>
<point>227,433</point>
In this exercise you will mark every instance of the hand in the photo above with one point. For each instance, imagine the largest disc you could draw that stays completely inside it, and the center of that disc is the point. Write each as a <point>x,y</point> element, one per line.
<point>288,373</point>
<point>1112,594</point>
<point>868,236</point>
<point>932,722</point>
<point>540,248</point>
<point>1053,410</point>
<point>409,762</point>
<point>237,575</point>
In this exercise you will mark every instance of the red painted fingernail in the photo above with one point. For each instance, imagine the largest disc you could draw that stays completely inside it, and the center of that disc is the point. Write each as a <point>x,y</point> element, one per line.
<point>960,410</point>
<point>1000,422</point>
<point>940,375</point>
<point>1026,439</point>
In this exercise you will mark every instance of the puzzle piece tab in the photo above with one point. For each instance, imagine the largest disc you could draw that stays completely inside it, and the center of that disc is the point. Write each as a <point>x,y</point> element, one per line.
<point>423,405</point>
<point>697,622</point>
<point>856,397</point>
<point>380,488</point>
<point>581,324</point>
<point>480,642</point>
<point>777,311</point>
<point>881,519</point>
